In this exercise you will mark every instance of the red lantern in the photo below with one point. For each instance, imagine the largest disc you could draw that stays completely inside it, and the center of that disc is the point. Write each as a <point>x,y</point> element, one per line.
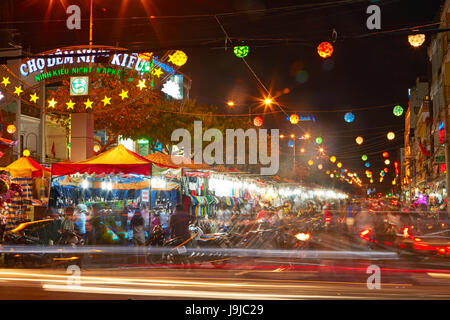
<point>325,50</point>
<point>258,121</point>
<point>386,170</point>
<point>385,154</point>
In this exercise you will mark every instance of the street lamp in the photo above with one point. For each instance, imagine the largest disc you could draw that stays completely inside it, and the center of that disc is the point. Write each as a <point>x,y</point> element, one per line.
<point>267,101</point>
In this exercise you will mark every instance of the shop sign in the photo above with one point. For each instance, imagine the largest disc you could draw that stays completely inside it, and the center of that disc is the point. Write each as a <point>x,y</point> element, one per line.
<point>145,195</point>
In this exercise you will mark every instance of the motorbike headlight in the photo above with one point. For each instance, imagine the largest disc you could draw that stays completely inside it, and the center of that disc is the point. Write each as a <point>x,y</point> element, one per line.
<point>302,236</point>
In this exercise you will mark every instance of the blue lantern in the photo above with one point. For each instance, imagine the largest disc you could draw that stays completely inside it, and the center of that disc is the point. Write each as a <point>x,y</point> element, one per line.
<point>367,164</point>
<point>291,143</point>
<point>349,117</point>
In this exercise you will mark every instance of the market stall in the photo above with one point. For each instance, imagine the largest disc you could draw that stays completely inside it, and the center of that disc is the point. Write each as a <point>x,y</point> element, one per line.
<point>33,179</point>
<point>117,174</point>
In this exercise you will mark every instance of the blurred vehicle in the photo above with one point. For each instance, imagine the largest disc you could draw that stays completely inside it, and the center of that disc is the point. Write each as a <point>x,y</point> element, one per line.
<point>39,234</point>
<point>434,243</point>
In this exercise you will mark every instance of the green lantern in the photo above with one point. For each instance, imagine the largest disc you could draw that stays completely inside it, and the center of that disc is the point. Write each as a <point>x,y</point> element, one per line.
<point>398,111</point>
<point>319,140</point>
<point>364,157</point>
<point>241,51</point>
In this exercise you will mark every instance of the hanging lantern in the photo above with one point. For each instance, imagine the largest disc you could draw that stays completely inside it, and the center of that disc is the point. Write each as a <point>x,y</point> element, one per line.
<point>386,170</point>
<point>320,166</point>
<point>26,153</point>
<point>359,140</point>
<point>367,164</point>
<point>398,111</point>
<point>391,135</point>
<point>178,58</point>
<point>364,157</point>
<point>371,180</point>
<point>339,165</point>
<point>258,121</point>
<point>387,162</point>
<point>385,154</point>
<point>331,175</point>
<point>325,50</point>
<point>349,117</point>
<point>310,162</point>
<point>416,40</point>
<point>333,159</point>
<point>319,140</point>
<point>382,173</point>
<point>294,119</point>
<point>241,51</point>
<point>11,129</point>
<point>96,148</point>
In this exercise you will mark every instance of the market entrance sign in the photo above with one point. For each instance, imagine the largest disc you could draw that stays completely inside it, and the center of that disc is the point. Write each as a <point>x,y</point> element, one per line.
<point>76,71</point>
<point>85,56</point>
<point>91,78</point>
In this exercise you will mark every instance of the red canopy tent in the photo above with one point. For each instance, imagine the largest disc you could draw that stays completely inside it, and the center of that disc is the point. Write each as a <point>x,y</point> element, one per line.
<point>116,160</point>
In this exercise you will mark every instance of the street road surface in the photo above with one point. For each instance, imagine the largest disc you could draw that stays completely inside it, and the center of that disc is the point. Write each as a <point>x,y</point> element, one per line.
<point>231,283</point>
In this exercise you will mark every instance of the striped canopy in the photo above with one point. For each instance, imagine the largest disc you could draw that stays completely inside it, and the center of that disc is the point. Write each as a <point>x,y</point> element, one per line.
<point>25,167</point>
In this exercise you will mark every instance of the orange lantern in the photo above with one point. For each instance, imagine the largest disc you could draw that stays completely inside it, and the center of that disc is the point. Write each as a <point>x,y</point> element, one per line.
<point>385,154</point>
<point>11,128</point>
<point>325,50</point>
<point>359,140</point>
<point>258,121</point>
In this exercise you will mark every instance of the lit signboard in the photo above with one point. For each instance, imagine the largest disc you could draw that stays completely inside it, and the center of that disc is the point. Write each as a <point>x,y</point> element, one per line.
<point>79,86</point>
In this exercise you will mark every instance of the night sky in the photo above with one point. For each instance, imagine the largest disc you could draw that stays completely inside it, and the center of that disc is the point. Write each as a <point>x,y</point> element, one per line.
<point>363,72</point>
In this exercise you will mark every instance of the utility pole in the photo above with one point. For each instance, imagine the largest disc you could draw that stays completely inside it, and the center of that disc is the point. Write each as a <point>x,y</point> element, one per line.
<point>91,24</point>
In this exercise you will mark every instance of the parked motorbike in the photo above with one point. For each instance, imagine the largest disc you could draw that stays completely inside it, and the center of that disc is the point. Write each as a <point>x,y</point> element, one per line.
<point>217,242</point>
<point>174,250</point>
<point>25,260</point>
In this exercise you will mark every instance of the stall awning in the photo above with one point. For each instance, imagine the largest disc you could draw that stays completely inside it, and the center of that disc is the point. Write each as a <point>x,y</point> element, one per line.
<point>116,160</point>
<point>25,167</point>
<point>174,162</point>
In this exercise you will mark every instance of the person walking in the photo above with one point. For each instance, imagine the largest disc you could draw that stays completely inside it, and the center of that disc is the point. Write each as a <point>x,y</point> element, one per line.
<point>179,223</point>
<point>81,211</point>
<point>137,224</point>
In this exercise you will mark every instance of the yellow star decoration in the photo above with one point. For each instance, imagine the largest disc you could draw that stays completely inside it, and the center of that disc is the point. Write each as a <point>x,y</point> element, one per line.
<point>70,104</point>
<point>157,72</point>
<point>18,90</point>
<point>124,94</point>
<point>34,97</point>
<point>141,84</point>
<point>52,103</point>
<point>106,101</point>
<point>88,104</point>
<point>6,81</point>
